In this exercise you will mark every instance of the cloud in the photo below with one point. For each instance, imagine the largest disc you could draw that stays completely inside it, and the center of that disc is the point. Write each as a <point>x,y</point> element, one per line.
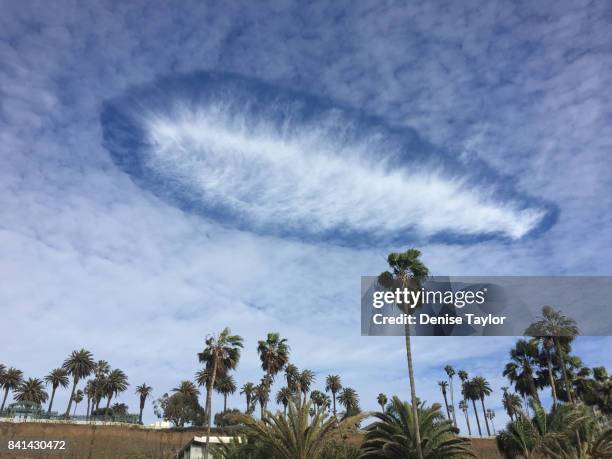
<point>285,163</point>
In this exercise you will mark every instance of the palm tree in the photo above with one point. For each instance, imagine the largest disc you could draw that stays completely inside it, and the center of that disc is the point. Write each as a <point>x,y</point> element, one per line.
<point>463,406</point>
<point>450,372</point>
<point>262,394</point>
<point>333,384</point>
<point>482,388</point>
<point>274,355</point>
<point>78,398</point>
<point>443,386</point>
<point>470,392</point>
<point>248,390</point>
<point>464,377</point>
<point>511,402</point>
<point>382,401</point>
<point>222,352</point>
<point>57,377</point>
<point>296,435</point>
<point>305,380</point>
<point>393,434</point>
<point>79,365</point>
<point>10,380</point>
<point>116,382</point>
<point>144,391</point>
<point>225,385</point>
<point>283,396</point>
<point>89,390</point>
<point>523,358</point>
<point>32,390</point>
<point>319,399</point>
<point>491,415</point>
<point>407,270</point>
<point>292,375</point>
<point>558,327</point>
<point>187,389</point>
<point>569,431</point>
<point>350,400</point>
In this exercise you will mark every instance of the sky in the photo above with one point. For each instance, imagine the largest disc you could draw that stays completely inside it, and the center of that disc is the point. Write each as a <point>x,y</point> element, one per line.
<point>168,170</point>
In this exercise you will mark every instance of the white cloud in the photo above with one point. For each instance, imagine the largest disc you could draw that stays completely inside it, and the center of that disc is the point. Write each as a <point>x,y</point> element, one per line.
<point>310,178</point>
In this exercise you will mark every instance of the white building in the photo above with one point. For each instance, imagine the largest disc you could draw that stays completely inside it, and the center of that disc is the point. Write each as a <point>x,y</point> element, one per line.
<point>195,448</point>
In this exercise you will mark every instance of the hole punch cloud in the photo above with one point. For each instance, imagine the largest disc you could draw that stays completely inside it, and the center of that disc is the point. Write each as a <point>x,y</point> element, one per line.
<point>273,161</point>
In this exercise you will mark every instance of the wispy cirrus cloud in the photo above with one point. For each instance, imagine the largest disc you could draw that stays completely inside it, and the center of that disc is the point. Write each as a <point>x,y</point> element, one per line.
<point>290,164</point>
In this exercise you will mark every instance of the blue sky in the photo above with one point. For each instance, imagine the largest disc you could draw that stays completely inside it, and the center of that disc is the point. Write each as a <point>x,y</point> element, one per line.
<point>478,131</point>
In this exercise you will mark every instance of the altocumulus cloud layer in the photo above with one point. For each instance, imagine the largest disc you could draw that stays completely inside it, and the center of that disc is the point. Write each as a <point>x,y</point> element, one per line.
<point>280,162</point>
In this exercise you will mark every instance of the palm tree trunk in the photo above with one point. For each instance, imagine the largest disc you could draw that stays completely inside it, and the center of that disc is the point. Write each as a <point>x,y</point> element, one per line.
<point>224,403</point>
<point>4,399</point>
<point>74,411</point>
<point>484,413</point>
<point>88,407</point>
<point>107,406</point>
<point>551,378</point>
<point>467,421</point>
<point>209,389</point>
<point>334,399</point>
<point>382,408</point>
<point>568,388</point>
<point>450,378</point>
<point>446,404</point>
<point>74,383</point>
<point>415,413</point>
<point>140,414</point>
<point>477,419</point>
<point>51,401</point>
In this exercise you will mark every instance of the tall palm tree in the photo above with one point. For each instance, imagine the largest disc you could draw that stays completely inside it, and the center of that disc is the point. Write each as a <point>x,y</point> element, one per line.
<point>464,377</point>
<point>78,398</point>
<point>350,400</point>
<point>382,401</point>
<point>32,390</point>
<point>443,386</point>
<point>483,389</point>
<point>393,434</point>
<point>225,386</point>
<point>116,382</point>
<point>274,354</point>
<point>10,380</point>
<point>450,372</point>
<point>407,271</point>
<point>57,377</point>
<point>305,380</point>
<point>262,394</point>
<point>463,406</point>
<point>89,390</point>
<point>512,403</point>
<point>292,375</point>
<point>319,399</point>
<point>143,391</point>
<point>333,384</point>
<point>283,396</point>
<point>297,435</point>
<point>248,390</point>
<point>524,357</point>
<point>558,327</point>
<point>79,365</point>
<point>491,415</point>
<point>471,393</point>
<point>221,352</point>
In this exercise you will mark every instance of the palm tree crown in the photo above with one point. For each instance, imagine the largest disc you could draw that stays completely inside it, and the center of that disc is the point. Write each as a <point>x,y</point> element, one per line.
<point>333,384</point>
<point>32,390</point>
<point>393,434</point>
<point>9,380</point>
